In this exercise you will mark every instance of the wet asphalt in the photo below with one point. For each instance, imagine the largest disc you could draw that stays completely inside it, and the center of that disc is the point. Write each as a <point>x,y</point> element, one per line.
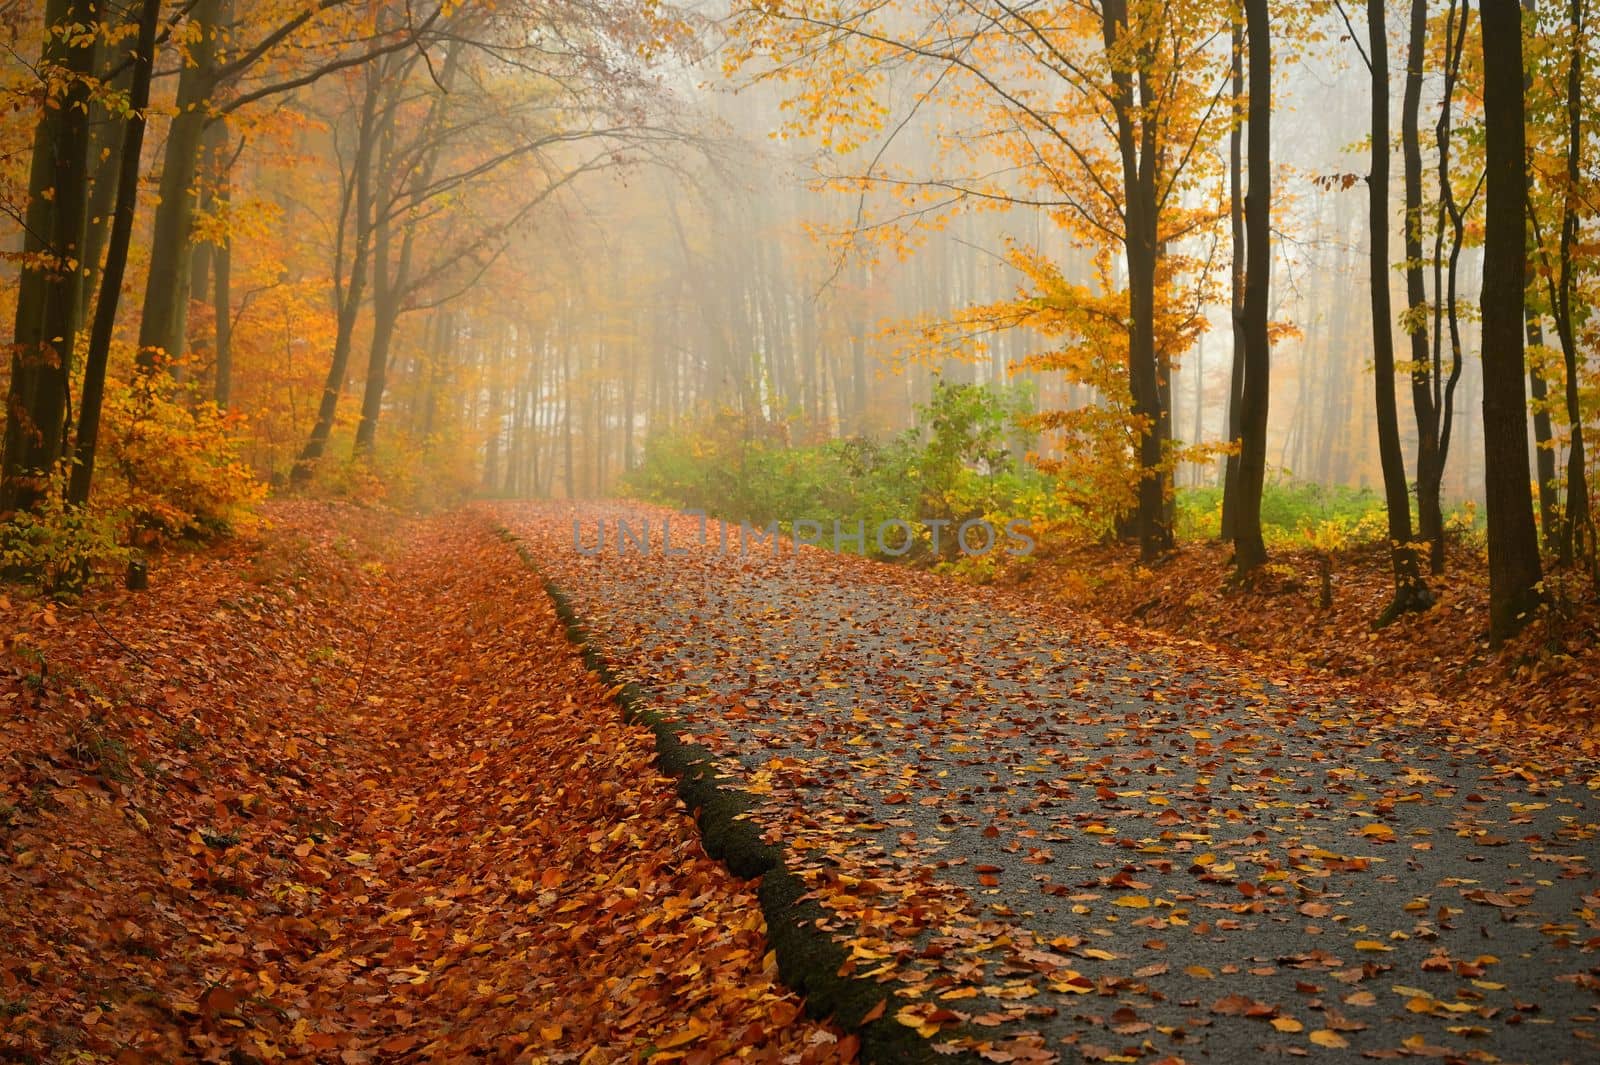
<point>1105,845</point>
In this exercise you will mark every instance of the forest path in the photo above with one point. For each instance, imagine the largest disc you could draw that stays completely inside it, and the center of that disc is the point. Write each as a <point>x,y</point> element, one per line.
<point>344,792</point>
<point>1056,839</point>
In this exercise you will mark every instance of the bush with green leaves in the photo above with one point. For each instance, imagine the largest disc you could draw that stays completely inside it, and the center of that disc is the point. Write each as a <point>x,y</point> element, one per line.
<point>61,547</point>
<point>167,468</point>
<point>961,461</point>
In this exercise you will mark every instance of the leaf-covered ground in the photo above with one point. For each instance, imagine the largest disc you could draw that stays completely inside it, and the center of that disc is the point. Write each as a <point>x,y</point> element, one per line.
<point>346,794</point>
<point>1057,840</point>
<point>1547,679</point>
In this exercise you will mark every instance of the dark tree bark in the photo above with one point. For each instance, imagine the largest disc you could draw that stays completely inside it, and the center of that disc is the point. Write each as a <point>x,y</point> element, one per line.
<point>1440,394</point>
<point>1410,592</point>
<point>164,319</point>
<point>1544,454</point>
<point>1514,568</point>
<point>48,301</point>
<point>1250,548</point>
<point>1577,527</point>
<point>106,132</point>
<point>1230,469</point>
<point>121,237</point>
<point>1136,143</point>
<point>1430,463</point>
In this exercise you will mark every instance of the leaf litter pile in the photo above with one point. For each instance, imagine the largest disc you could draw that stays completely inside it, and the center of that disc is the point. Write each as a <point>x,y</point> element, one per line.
<point>1542,681</point>
<point>1052,840</point>
<point>347,794</point>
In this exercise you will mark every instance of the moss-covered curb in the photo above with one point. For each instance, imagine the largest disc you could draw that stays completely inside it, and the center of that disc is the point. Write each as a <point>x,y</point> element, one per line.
<point>809,960</point>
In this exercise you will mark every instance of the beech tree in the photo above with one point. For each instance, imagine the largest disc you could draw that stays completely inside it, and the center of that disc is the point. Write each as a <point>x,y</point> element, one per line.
<point>1432,387</point>
<point>1559,206</point>
<point>49,308</point>
<point>129,158</point>
<point>1411,591</point>
<point>1253,395</point>
<point>1133,89</point>
<point>1515,573</point>
<point>222,52</point>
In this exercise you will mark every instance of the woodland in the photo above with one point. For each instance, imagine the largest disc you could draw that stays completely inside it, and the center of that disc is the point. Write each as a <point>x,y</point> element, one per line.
<point>335,326</point>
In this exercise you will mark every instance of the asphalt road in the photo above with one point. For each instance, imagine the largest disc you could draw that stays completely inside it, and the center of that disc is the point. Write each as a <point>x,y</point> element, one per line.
<point>1056,839</point>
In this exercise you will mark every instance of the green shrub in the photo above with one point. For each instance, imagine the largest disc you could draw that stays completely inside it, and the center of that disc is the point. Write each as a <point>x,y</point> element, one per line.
<point>58,547</point>
<point>1287,508</point>
<point>961,461</point>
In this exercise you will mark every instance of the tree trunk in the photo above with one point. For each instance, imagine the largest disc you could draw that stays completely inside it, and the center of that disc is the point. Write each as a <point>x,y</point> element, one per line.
<point>121,237</point>
<point>1544,454</point>
<point>1410,592</point>
<point>1230,469</point>
<point>386,320</point>
<point>106,133</point>
<point>1430,462</point>
<point>1514,569</point>
<point>1577,528</point>
<point>387,280</point>
<point>349,299</point>
<point>1250,548</point>
<point>1138,149</point>
<point>164,320</point>
<point>47,289</point>
<point>222,295</point>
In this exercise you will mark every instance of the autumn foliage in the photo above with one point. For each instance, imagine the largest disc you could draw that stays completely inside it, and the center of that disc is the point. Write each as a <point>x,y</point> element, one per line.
<point>298,805</point>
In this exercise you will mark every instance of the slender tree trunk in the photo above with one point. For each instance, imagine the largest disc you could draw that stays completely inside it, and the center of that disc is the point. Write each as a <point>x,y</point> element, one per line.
<point>569,463</point>
<point>392,278</point>
<point>386,321</point>
<point>1250,548</point>
<point>48,289</point>
<point>106,133</point>
<point>1514,568</point>
<point>1544,454</point>
<point>222,300</point>
<point>1139,152</point>
<point>1578,527</point>
<point>1410,591</point>
<point>121,237</point>
<point>1430,463</point>
<point>349,298</point>
<point>1230,474</point>
<point>386,283</point>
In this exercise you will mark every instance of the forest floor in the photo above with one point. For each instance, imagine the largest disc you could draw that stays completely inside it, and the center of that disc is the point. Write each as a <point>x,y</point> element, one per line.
<point>1055,839</point>
<point>343,791</point>
<point>1545,680</point>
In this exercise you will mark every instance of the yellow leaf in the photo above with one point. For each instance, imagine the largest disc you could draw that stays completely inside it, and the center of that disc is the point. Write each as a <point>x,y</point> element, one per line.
<point>1325,1038</point>
<point>1134,902</point>
<point>1287,1024</point>
<point>693,1031</point>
